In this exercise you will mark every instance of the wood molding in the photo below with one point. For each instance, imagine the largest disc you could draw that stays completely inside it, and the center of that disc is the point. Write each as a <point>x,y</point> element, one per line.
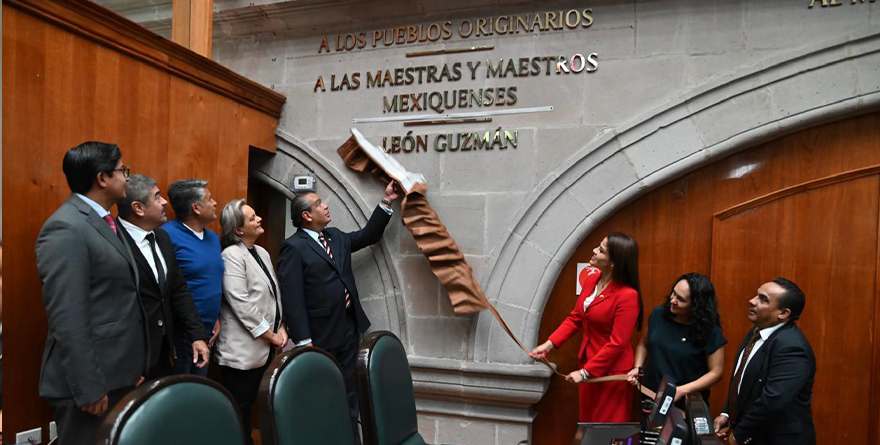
<point>192,25</point>
<point>795,189</point>
<point>94,22</point>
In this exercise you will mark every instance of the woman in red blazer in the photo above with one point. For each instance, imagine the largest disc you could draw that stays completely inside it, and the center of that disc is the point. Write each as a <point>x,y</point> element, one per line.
<point>608,309</point>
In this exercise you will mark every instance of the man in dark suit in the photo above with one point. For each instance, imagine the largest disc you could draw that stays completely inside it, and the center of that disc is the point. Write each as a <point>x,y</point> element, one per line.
<point>319,296</point>
<point>770,392</point>
<point>97,347</point>
<point>163,290</point>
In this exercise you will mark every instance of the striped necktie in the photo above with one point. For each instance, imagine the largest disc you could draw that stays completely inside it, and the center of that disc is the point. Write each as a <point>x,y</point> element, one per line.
<point>330,254</point>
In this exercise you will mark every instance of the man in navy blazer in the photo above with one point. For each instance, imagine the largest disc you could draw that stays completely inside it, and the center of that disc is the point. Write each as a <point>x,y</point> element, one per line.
<point>319,295</point>
<point>97,347</point>
<point>769,399</point>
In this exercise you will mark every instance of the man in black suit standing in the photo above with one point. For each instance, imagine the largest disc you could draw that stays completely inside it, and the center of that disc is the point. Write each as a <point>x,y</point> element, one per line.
<point>97,347</point>
<point>769,399</point>
<point>165,297</point>
<point>319,296</point>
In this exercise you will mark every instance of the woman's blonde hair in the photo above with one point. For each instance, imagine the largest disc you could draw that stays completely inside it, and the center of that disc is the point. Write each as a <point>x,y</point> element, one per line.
<point>231,218</point>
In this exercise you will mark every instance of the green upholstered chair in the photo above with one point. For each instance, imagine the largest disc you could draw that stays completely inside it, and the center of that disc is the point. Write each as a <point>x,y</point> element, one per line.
<point>388,406</point>
<point>303,402</point>
<point>176,410</point>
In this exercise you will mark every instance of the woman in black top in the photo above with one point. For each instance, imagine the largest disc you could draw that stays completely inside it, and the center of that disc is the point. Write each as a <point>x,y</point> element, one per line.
<point>683,340</point>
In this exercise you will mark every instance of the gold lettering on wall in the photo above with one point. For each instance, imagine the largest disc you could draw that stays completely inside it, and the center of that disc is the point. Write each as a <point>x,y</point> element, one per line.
<point>480,27</point>
<point>499,139</point>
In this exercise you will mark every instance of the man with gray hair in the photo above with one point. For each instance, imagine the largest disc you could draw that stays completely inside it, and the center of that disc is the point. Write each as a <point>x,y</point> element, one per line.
<point>163,288</point>
<point>197,251</point>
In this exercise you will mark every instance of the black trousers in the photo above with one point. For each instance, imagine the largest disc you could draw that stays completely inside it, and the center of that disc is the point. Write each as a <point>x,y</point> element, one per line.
<point>164,367</point>
<point>244,384</point>
<point>346,355</point>
<point>76,426</point>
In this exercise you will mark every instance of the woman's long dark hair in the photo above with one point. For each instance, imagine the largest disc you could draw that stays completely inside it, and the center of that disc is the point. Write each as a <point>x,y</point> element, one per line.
<point>704,306</point>
<point>624,254</point>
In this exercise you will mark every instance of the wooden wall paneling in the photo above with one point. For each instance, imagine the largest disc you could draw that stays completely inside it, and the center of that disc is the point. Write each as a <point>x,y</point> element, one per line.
<point>75,72</point>
<point>673,225</point>
<point>103,27</point>
<point>833,260</point>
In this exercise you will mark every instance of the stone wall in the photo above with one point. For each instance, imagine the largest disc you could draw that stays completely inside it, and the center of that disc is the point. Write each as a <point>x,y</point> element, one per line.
<point>678,84</point>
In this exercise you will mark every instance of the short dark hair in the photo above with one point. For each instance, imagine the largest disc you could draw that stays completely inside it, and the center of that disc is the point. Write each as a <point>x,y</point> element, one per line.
<point>138,189</point>
<point>298,205</point>
<point>183,194</point>
<point>792,299</point>
<point>82,164</point>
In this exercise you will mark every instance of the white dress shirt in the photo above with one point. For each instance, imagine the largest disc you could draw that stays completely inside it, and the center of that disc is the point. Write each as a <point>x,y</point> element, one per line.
<point>315,236</point>
<point>140,239</point>
<point>592,297</point>
<point>764,335</point>
<point>101,211</point>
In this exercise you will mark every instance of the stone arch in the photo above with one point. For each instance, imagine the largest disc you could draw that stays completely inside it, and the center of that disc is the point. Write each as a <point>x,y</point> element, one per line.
<point>754,104</point>
<point>376,272</point>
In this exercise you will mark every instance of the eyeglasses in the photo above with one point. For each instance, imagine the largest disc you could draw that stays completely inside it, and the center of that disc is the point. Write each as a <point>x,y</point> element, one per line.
<point>126,171</point>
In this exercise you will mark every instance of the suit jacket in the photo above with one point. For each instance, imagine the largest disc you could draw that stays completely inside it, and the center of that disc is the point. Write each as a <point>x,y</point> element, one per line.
<point>97,339</point>
<point>607,325</point>
<point>169,307</point>
<point>313,285</point>
<point>248,309</point>
<point>774,402</point>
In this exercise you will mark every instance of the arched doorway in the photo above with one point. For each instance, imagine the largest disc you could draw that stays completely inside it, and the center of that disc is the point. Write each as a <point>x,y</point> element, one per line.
<point>805,206</point>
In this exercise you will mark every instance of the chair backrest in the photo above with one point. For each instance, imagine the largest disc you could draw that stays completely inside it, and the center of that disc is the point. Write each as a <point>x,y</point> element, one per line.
<point>676,431</point>
<point>388,406</point>
<point>303,401</point>
<point>662,404</point>
<point>176,410</point>
<point>700,420</point>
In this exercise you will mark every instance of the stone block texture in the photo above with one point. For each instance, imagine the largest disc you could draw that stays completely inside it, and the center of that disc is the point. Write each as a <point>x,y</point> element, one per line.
<point>679,83</point>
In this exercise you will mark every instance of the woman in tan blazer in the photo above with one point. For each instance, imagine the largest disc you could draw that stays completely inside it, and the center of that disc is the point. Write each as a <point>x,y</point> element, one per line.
<point>250,312</point>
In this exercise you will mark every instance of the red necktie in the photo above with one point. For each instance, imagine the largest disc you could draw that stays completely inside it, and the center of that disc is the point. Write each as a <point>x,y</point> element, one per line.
<point>112,223</point>
<point>327,249</point>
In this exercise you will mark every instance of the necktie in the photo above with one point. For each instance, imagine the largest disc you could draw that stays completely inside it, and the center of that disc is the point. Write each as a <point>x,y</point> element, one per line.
<point>327,249</point>
<point>112,223</point>
<point>160,272</point>
<point>733,393</point>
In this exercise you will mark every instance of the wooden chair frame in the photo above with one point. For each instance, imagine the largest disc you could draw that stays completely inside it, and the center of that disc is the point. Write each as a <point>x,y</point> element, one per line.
<point>111,428</point>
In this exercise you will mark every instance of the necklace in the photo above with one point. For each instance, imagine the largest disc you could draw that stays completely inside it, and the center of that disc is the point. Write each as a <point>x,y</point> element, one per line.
<point>602,286</point>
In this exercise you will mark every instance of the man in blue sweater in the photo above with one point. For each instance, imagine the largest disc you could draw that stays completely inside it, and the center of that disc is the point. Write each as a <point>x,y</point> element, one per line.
<point>197,250</point>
